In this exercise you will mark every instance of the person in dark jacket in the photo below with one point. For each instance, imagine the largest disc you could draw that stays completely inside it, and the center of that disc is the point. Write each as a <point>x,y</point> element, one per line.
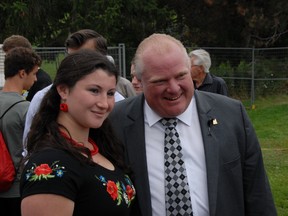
<point>202,78</point>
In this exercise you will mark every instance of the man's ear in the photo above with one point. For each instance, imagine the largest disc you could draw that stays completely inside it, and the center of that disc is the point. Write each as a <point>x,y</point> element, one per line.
<point>63,91</point>
<point>22,73</point>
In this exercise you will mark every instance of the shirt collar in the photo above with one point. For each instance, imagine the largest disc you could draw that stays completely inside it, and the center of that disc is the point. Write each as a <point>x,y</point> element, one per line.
<point>152,117</point>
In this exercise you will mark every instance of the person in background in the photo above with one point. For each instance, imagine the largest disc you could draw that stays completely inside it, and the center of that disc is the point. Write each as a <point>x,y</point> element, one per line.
<point>82,39</point>
<point>20,69</point>
<point>124,87</point>
<point>214,140</point>
<point>75,164</point>
<point>43,78</point>
<point>202,78</point>
<point>136,83</point>
<point>90,39</point>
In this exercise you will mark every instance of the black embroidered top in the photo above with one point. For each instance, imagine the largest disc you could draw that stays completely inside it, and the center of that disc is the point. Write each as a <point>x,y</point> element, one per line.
<point>92,188</point>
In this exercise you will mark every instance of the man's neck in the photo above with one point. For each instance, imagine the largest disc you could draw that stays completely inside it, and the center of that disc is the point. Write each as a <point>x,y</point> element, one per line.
<point>12,86</point>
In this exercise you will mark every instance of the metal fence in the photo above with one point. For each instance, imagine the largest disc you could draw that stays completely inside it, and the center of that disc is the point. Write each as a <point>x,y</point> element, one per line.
<point>251,72</point>
<point>52,56</point>
<point>248,72</point>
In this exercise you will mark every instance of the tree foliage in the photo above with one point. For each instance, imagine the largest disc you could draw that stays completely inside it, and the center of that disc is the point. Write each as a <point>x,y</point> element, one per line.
<point>225,23</point>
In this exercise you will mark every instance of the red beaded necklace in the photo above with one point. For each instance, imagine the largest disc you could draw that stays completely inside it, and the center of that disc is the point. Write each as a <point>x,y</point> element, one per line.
<point>95,147</point>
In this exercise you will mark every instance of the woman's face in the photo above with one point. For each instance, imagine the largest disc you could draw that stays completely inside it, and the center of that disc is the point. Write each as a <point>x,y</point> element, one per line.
<point>91,100</point>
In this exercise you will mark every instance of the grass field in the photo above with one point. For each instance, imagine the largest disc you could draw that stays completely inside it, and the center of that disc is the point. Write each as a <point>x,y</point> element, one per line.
<point>270,119</point>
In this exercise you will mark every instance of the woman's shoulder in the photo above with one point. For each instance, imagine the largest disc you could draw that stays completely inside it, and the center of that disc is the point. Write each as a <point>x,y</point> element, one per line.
<point>51,171</point>
<point>51,160</point>
<point>51,156</point>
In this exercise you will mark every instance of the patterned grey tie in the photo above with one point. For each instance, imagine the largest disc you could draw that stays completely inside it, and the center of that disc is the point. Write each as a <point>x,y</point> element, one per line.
<point>178,202</point>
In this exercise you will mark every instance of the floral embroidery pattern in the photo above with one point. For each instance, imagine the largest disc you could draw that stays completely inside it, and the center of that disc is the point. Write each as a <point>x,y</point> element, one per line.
<point>119,191</point>
<point>44,171</point>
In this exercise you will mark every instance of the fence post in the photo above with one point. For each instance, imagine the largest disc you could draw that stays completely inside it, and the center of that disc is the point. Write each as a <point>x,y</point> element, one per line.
<point>122,59</point>
<point>253,79</point>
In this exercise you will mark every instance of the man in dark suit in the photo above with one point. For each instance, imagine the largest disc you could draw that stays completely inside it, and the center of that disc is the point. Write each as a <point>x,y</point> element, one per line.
<point>221,153</point>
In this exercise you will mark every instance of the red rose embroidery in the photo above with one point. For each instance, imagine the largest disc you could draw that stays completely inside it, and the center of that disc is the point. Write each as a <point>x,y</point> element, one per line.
<point>43,169</point>
<point>112,189</point>
<point>130,192</point>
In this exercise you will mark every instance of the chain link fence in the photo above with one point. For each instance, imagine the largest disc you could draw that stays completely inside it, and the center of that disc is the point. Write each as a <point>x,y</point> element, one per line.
<point>251,72</point>
<point>52,56</point>
<point>248,72</point>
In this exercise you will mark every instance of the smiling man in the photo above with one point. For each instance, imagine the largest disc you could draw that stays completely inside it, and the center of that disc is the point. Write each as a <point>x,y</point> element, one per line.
<point>191,152</point>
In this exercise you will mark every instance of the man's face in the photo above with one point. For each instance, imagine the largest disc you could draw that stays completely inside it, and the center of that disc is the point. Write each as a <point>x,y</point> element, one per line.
<point>135,82</point>
<point>30,78</point>
<point>197,71</point>
<point>89,44</point>
<point>167,82</point>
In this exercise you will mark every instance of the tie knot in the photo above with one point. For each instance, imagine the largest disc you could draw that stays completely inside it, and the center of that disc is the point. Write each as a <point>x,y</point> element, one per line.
<point>169,122</point>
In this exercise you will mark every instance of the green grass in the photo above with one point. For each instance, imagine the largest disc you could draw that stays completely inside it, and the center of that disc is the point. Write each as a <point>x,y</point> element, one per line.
<point>270,119</point>
<point>51,66</point>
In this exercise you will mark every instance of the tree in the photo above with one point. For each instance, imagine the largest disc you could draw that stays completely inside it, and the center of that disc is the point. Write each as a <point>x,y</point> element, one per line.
<point>39,21</point>
<point>238,23</point>
<point>48,23</point>
<point>267,23</point>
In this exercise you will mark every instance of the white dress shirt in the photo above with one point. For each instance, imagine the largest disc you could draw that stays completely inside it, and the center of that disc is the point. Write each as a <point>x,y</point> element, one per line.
<point>189,131</point>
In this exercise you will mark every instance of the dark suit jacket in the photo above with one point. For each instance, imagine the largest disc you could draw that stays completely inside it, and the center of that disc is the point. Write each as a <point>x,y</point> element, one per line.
<point>237,183</point>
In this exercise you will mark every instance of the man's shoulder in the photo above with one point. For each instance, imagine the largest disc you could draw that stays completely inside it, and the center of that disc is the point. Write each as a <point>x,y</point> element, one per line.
<point>209,97</point>
<point>10,98</point>
<point>128,104</point>
<point>123,80</point>
<point>217,79</point>
<point>127,110</point>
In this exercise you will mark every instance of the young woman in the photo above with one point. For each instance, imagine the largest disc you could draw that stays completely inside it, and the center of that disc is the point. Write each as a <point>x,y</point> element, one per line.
<point>74,162</point>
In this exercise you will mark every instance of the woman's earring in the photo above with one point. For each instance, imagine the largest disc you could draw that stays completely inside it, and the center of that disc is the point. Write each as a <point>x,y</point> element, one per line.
<point>64,107</point>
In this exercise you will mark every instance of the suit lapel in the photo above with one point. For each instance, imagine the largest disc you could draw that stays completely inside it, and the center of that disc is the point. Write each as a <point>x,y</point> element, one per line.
<point>135,143</point>
<point>134,132</point>
<point>211,147</point>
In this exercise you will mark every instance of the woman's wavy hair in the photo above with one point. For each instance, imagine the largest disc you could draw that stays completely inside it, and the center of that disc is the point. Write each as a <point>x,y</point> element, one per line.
<point>45,132</point>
